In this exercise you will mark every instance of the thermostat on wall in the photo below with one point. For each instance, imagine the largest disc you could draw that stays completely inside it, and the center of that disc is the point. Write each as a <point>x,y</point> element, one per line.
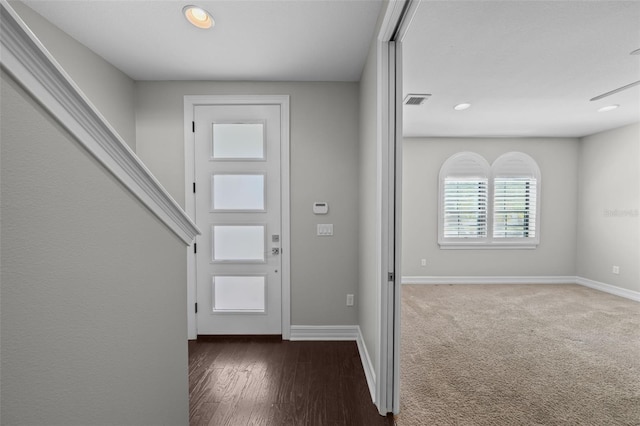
<point>320,207</point>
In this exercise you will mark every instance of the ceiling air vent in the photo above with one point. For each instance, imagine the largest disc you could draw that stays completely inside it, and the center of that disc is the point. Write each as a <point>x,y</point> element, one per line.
<point>414,99</point>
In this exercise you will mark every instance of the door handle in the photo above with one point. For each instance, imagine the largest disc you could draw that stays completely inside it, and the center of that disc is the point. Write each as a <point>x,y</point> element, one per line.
<point>275,251</point>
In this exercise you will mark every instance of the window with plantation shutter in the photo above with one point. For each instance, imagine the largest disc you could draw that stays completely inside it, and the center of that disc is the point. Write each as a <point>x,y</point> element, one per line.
<point>465,208</point>
<point>514,207</point>
<point>464,196</point>
<point>516,189</point>
<point>484,206</point>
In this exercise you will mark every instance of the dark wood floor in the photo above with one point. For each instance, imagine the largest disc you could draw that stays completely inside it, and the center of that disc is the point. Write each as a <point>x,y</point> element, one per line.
<point>249,381</point>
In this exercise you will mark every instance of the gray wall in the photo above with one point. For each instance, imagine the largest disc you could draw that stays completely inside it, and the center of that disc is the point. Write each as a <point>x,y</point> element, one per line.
<point>93,299</point>
<point>369,278</point>
<point>324,167</point>
<point>556,254</point>
<point>108,88</point>
<point>608,209</point>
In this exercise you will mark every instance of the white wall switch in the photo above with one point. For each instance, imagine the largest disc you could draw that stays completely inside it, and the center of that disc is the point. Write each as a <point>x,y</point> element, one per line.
<point>423,262</point>
<point>325,229</point>
<point>615,270</point>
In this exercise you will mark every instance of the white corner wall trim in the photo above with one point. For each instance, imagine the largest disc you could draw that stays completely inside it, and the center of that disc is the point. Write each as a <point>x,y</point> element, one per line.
<point>324,332</point>
<point>608,288</point>
<point>30,64</point>
<point>544,279</point>
<point>369,371</point>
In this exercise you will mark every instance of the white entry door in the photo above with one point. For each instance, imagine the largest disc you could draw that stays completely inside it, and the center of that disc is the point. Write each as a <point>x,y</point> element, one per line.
<point>237,205</point>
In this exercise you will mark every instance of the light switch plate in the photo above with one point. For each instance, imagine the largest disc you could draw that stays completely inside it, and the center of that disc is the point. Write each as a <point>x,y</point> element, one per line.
<point>325,229</point>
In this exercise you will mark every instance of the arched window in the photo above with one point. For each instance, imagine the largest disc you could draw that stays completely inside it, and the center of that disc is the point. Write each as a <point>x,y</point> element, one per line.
<point>482,206</point>
<point>464,189</point>
<point>516,188</point>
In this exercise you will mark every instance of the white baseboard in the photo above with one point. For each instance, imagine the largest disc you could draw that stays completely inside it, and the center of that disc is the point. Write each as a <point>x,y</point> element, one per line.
<point>369,371</point>
<point>560,279</point>
<point>608,288</point>
<point>544,279</point>
<point>324,332</point>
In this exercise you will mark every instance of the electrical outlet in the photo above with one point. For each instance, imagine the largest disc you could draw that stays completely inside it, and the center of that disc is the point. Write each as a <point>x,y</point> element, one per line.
<point>615,269</point>
<point>349,299</point>
<point>423,262</point>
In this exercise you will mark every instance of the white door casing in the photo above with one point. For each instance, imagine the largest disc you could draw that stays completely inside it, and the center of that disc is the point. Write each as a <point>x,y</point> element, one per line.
<point>241,226</point>
<point>397,19</point>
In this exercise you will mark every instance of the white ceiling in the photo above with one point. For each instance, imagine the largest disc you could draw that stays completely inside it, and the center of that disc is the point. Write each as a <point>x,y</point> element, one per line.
<point>529,68</point>
<point>260,40</point>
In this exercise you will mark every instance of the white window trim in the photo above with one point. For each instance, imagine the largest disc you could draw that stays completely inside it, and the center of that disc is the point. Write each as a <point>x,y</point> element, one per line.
<point>500,167</point>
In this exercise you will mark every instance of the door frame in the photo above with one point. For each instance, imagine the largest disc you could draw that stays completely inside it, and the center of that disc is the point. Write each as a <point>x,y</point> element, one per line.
<point>190,103</point>
<point>393,29</point>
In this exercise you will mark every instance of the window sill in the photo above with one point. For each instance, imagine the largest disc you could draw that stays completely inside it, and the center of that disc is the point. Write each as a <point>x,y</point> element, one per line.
<point>487,246</point>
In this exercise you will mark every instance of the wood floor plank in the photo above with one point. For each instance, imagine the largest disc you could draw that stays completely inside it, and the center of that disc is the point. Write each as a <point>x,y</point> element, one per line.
<point>204,414</point>
<point>201,393</point>
<point>268,373</point>
<point>257,374</point>
<point>301,392</point>
<point>246,381</point>
<point>317,401</point>
<point>286,373</point>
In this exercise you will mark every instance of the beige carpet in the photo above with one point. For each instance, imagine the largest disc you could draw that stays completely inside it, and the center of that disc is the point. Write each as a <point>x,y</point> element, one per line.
<point>518,355</point>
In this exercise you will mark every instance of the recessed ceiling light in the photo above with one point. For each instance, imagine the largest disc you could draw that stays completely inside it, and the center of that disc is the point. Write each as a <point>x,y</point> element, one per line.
<point>461,107</point>
<point>608,108</point>
<point>198,17</point>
